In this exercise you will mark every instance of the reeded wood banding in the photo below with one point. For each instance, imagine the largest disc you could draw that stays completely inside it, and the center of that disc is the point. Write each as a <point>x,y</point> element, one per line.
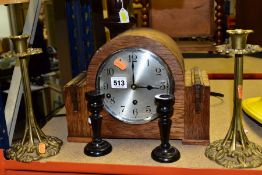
<point>76,109</point>
<point>197,111</point>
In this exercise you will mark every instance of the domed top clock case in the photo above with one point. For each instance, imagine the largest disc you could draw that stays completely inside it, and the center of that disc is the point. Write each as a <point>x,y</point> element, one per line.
<point>130,70</point>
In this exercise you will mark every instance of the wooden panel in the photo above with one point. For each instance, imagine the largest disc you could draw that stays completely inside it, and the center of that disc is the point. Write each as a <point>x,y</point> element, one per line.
<point>76,108</point>
<point>183,18</point>
<point>197,111</point>
<point>196,46</point>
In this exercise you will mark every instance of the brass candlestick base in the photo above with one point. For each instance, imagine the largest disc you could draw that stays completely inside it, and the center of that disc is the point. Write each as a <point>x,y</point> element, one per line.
<point>236,151</point>
<point>248,156</point>
<point>35,144</point>
<point>42,147</point>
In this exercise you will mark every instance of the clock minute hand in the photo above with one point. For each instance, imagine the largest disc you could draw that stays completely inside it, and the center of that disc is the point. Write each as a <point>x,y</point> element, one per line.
<point>133,74</point>
<point>149,87</point>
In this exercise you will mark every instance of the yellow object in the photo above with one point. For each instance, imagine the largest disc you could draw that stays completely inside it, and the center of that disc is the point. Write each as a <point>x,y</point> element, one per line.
<point>253,107</point>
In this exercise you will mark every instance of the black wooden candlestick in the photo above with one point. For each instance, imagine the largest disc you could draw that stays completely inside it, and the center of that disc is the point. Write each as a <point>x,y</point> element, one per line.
<point>97,147</point>
<point>165,153</point>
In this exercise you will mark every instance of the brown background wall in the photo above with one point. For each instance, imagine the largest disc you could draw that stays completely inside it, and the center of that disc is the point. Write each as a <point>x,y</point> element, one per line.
<point>249,16</point>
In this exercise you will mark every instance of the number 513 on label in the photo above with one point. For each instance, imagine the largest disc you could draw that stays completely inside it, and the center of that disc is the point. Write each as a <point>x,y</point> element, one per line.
<point>118,82</point>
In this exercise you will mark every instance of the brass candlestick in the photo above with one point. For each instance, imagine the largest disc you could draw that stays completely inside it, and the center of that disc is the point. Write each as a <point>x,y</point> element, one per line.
<point>34,144</point>
<point>236,151</point>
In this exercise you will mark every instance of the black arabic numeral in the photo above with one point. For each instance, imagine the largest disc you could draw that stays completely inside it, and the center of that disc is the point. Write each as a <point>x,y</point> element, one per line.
<point>148,109</point>
<point>110,71</point>
<point>105,86</point>
<point>132,58</point>
<point>135,112</point>
<point>158,71</point>
<point>163,86</point>
<point>112,100</point>
<point>122,108</point>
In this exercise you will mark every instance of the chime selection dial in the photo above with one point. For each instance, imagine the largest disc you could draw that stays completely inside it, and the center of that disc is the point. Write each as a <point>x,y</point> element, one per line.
<point>130,79</point>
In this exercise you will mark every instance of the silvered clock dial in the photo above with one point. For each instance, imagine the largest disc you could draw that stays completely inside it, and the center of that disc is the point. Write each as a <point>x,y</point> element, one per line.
<point>130,79</point>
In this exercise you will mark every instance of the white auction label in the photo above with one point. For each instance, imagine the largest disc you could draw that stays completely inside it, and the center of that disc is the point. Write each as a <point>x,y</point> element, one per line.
<point>123,15</point>
<point>118,82</point>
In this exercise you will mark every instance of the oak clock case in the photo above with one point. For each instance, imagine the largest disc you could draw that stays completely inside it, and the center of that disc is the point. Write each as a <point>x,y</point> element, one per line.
<point>137,119</point>
<point>130,78</point>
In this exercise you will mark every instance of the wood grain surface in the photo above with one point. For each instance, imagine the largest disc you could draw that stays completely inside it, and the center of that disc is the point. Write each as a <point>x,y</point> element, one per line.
<point>76,109</point>
<point>197,120</point>
<point>183,18</point>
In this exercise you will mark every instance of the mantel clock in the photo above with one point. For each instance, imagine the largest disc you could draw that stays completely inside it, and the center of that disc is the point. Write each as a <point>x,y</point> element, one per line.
<point>130,70</point>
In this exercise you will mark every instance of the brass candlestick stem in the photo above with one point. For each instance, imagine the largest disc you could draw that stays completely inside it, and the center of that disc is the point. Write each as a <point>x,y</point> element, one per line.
<point>236,151</point>
<point>34,144</point>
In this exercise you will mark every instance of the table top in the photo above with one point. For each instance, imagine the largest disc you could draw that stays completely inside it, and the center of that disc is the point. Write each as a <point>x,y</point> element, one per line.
<point>138,151</point>
<point>224,65</point>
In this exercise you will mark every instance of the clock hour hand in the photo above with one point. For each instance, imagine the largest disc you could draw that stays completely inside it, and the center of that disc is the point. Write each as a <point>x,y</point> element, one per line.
<point>148,87</point>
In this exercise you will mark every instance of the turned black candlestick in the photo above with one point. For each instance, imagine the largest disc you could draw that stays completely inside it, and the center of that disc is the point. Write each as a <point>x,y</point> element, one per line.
<point>165,153</point>
<point>97,147</point>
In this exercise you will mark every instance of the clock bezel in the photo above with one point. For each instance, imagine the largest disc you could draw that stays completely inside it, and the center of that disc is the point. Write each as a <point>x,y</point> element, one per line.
<point>157,58</point>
